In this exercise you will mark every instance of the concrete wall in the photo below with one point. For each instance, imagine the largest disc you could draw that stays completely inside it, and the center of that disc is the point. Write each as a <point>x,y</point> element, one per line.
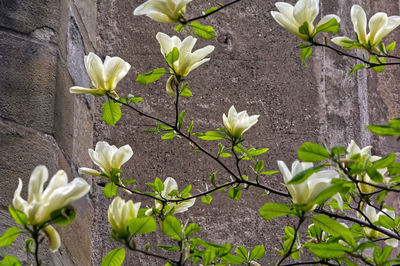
<point>255,66</point>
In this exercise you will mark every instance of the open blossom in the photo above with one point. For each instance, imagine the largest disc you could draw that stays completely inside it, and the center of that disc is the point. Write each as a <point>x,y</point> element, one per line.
<point>104,76</point>
<point>107,157</point>
<point>120,213</point>
<point>374,217</point>
<point>164,11</point>
<point>40,204</point>
<point>169,186</point>
<point>238,123</point>
<point>293,17</point>
<point>379,25</point>
<point>305,192</point>
<point>352,150</point>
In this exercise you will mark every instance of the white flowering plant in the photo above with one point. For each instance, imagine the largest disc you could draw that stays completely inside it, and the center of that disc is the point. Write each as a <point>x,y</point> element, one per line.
<point>340,192</point>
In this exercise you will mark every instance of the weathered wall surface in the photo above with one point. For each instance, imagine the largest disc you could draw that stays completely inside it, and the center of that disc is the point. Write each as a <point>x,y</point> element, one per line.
<point>255,67</point>
<point>42,44</point>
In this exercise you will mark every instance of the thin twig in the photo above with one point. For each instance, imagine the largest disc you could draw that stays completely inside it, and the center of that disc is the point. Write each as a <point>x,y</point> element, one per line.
<point>210,13</point>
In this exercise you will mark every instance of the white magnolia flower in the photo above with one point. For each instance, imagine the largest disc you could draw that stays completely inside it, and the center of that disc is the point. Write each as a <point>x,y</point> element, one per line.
<point>293,17</point>
<point>305,192</point>
<point>379,25</point>
<point>104,76</point>
<point>188,60</point>
<point>238,123</point>
<point>164,11</point>
<point>169,186</point>
<point>58,194</point>
<point>374,217</point>
<point>365,157</point>
<point>120,213</point>
<point>107,157</point>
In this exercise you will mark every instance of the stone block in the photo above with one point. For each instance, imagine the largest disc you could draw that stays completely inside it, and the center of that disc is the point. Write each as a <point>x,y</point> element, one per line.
<point>27,82</point>
<point>28,16</point>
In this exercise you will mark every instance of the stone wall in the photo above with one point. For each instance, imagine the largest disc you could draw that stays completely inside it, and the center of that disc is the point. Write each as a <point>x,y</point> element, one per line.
<point>255,67</point>
<point>42,44</point>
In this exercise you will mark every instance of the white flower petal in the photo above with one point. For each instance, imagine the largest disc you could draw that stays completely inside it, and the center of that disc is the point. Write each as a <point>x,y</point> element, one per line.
<point>38,177</point>
<point>359,19</point>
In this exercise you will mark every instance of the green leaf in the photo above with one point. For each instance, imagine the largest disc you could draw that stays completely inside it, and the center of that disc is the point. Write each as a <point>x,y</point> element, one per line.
<point>114,258</point>
<point>191,229</point>
<point>190,127</point>
<point>206,199</point>
<point>186,93</point>
<point>18,216</point>
<point>204,32</point>
<point>383,130</point>
<point>211,9</point>
<point>208,257</point>
<point>234,193</point>
<point>136,99</point>
<point>257,253</point>
<point>151,76</point>
<point>334,228</point>
<point>110,190</point>
<point>172,227</point>
<point>168,136</point>
<point>179,28</point>
<point>303,29</point>
<point>210,135</point>
<point>387,222</point>
<point>185,193</point>
<point>63,216</point>
<point>9,236</point>
<point>10,261</point>
<point>338,150</point>
<point>374,59</point>
<point>312,152</point>
<point>142,225</point>
<point>374,174</point>
<point>232,259</point>
<point>169,248</point>
<point>242,252</point>
<point>328,250</point>
<point>257,152</point>
<point>181,116</point>
<point>111,112</point>
<point>304,54</point>
<point>172,56</point>
<point>328,193</point>
<point>355,68</point>
<point>391,47</point>
<point>158,185</point>
<point>259,166</point>
<point>394,169</point>
<point>385,161</point>
<point>272,210</point>
<point>331,26</point>
<point>213,178</point>
<point>305,174</point>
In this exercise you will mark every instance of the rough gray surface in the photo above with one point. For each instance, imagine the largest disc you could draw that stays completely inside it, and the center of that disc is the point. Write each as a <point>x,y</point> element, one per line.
<point>254,67</point>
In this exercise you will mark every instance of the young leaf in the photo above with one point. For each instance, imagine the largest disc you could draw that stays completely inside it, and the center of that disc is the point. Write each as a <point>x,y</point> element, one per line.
<point>172,227</point>
<point>142,225</point>
<point>63,216</point>
<point>242,252</point>
<point>303,29</point>
<point>385,161</point>
<point>234,193</point>
<point>232,259</point>
<point>186,93</point>
<point>210,135</point>
<point>259,166</point>
<point>111,112</point>
<point>304,54</point>
<point>168,136</point>
<point>312,152</point>
<point>211,9</point>
<point>272,210</point>
<point>179,28</point>
<point>391,47</point>
<point>355,68</point>
<point>213,178</point>
<point>257,253</point>
<point>9,236</point>
<point>110,190</point>
<point>172,56</point>
<point>158,185</point>
<point>338,150</point>
<point>151,76</point>
<point>10,261</point>
<point>181,116</point>
<point>190,127</point>
<point>383,130</point>
<point>191,229</point>
<point>206,199</point>
<point>114,258</point>
<point>305,174</point>
<point>18,216</point>
<point>377,60</point>
<point>331,26</point>
<point>374,174</point>
<point>328,250</point>
<point>334,228</point>
<point>204,32</point>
